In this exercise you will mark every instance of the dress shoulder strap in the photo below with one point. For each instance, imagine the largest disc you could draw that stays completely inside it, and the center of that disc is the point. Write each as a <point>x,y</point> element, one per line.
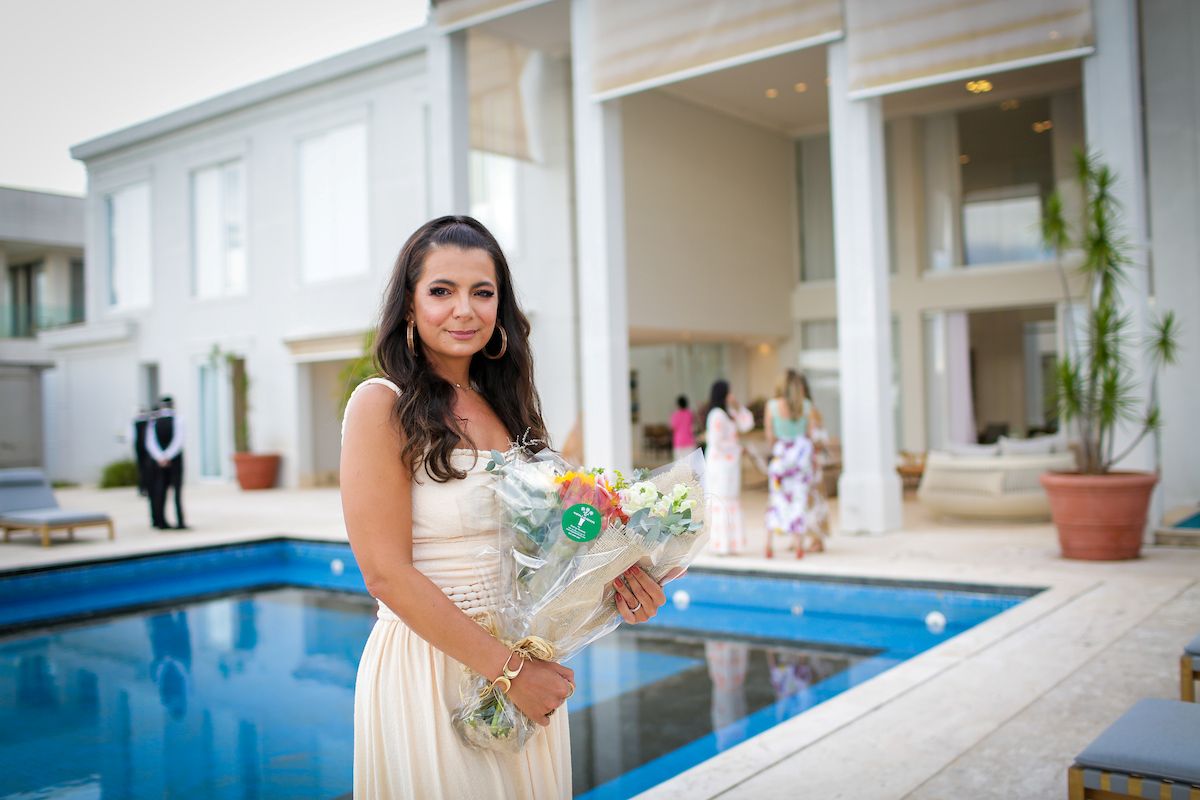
<point>379,380</point>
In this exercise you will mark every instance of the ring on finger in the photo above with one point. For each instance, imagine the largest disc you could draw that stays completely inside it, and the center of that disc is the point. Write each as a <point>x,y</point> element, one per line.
<point>637,607</point>
<point>550,712</point>
<point>571,691</point>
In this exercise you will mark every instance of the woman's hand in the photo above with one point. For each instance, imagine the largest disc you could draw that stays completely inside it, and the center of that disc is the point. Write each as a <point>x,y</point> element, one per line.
<point>639,596</point>
<point>541,688</point>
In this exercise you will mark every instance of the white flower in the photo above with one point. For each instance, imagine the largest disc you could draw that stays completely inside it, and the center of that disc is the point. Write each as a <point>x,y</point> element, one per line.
<point>540,476</point>
<point>641,495</point>
<point>686,504</point>
<point>679,492</point>
<point>662,508</point>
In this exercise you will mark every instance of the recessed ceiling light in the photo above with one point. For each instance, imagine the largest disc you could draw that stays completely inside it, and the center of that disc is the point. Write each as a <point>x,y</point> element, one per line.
<point>1043,126</point>
<point>980,86</point>
<point>1010,105</point>
<point>964,159</point>
<point>801,87</point>
<point>772,93</point>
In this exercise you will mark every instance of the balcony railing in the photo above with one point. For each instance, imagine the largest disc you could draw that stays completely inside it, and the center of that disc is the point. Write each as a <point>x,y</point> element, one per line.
<point>24,322</point>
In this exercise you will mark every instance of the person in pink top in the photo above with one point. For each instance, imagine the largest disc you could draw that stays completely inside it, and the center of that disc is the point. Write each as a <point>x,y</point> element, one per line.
<point>683,427</point>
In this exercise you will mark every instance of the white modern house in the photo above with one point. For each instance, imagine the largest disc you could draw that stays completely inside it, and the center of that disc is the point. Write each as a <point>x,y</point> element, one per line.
<point>41,287</point>
<point>687,190</point>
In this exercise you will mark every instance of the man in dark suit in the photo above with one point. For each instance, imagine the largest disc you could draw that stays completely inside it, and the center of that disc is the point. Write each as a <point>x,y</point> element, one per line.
<point>164,444</point>
<point>141,459</point>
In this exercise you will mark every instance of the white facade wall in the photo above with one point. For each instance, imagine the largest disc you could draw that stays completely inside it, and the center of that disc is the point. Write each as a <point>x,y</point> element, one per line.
<point>1171,81</point>
<point>178,331</point>
<point>710,220</point>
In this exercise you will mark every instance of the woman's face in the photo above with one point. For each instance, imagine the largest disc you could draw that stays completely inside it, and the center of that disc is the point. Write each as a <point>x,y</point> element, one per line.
<point>455,301</point>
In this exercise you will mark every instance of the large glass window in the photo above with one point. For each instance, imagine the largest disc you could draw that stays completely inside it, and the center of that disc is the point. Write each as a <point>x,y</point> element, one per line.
<point>128,212</point>
<point>494,197</point>
<point>987,174</point>
<point>219,230</point>
<point>333,204</point>
<point>814,190</point>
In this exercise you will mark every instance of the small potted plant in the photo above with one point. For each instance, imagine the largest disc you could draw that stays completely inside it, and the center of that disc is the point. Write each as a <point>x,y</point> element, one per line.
<point>253,470</point>
<point>1100,513</point>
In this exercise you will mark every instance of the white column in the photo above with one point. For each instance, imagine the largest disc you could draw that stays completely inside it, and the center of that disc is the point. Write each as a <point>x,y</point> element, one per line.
<point>1113,120</point>
<point>600,259</point>
<point>869,489</point>
<point>449,125</point>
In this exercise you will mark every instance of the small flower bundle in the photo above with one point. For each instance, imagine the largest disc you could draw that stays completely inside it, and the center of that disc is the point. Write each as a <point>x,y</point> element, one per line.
<point>565,535</point>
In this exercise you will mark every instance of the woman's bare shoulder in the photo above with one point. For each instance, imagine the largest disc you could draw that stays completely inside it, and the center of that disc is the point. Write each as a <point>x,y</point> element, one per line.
<point>369,408</point>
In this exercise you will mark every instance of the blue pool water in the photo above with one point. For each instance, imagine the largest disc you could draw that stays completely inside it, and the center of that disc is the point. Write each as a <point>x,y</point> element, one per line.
<point>229,672</point>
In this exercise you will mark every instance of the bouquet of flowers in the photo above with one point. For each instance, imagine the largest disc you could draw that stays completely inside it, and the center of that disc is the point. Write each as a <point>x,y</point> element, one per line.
<point>565,535</point>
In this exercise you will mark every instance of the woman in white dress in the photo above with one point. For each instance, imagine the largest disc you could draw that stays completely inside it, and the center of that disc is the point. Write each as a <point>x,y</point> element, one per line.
<point>723,469</point>
<point>453,347</point>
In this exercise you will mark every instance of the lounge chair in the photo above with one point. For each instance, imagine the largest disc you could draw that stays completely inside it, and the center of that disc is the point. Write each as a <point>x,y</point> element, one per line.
<point>1189,670</point>
<point>1150,752</point>
<point>27,504</point>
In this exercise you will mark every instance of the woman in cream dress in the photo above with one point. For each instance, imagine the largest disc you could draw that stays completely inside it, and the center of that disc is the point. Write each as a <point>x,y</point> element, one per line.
<point>453,345</point>
<point>723,469</point>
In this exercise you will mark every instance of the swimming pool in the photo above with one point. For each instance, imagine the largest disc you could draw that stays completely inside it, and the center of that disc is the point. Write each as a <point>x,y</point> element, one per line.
<point>229,671</point>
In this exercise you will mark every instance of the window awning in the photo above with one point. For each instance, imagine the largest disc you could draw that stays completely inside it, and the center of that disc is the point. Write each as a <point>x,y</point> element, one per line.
<point>451,15</point>
<point>898,46</point>
<point>495,73</point>
<point>639,45</point>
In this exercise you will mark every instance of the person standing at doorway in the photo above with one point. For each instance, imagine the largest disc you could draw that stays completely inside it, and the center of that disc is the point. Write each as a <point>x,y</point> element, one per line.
<point>166,463</point>
<point>141,459</point>
<point>723,463</point>
<point>683,429</point>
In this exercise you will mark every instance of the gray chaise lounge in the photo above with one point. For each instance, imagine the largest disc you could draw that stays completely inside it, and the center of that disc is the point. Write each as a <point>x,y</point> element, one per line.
<point>27,504</point>
<point>1152,751</point>
<point>1189,670</point>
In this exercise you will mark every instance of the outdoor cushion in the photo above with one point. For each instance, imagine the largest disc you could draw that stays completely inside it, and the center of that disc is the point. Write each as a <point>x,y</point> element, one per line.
<point>1036,446</point>
<point>24,489</point>
<point>1192,648</point>
<point>1156,739</point>
<point>51,516</point>
<point>976,450</point>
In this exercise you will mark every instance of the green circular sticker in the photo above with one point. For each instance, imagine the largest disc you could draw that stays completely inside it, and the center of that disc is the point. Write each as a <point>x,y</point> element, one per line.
<point>581,522</point>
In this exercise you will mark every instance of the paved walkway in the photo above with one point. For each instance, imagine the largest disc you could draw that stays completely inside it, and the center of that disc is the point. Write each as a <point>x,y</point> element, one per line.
<point>997,712</point>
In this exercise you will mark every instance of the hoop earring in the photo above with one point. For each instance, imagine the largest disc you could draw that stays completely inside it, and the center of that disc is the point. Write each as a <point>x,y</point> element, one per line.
<point>503,345</point>
<point>411,347</point>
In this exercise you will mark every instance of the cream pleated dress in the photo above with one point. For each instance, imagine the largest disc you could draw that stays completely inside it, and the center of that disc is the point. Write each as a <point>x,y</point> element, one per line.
<point>404,745</point>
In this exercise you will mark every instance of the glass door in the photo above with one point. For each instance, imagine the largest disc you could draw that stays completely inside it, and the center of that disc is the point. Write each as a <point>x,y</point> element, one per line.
<point>210,380</point>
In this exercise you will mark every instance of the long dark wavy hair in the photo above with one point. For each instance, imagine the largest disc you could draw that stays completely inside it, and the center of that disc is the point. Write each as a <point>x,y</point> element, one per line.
<point>424,406</point>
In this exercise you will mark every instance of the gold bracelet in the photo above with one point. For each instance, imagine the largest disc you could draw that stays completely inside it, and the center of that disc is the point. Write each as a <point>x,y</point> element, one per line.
<point>511,674</point>
<point>503,682</point>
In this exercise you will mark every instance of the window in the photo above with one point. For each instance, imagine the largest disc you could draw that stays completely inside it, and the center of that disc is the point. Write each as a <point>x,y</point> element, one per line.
<point>219,230</point>
<point>494,197</point>
<point>988,171</point>
<point>333,204</point>
<point>815,193</point>
<point>128,212</point>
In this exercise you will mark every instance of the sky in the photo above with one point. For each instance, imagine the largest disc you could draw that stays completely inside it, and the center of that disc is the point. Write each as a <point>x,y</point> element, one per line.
<point>72,70</point>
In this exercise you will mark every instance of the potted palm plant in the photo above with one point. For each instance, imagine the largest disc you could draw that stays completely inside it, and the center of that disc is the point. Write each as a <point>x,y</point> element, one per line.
<point>253,470</point>
<point>1100,512</point>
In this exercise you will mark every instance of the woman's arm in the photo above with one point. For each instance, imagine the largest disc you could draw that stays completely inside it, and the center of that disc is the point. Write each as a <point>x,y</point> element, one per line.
<point>376,491</point>
<point>768,424</point>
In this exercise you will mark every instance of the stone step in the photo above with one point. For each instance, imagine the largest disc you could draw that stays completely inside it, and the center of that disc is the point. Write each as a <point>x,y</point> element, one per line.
<point>1177,537</point>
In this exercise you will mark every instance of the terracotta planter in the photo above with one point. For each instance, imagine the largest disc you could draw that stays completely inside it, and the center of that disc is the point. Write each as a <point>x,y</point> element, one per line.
<point>256,470</point>
<point>1099,517</point>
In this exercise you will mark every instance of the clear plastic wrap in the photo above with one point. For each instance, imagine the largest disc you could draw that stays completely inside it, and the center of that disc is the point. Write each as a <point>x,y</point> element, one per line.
<point>565,535</point>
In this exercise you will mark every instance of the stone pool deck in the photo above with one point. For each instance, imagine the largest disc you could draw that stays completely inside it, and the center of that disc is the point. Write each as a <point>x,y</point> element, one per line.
<point>997,712</point>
